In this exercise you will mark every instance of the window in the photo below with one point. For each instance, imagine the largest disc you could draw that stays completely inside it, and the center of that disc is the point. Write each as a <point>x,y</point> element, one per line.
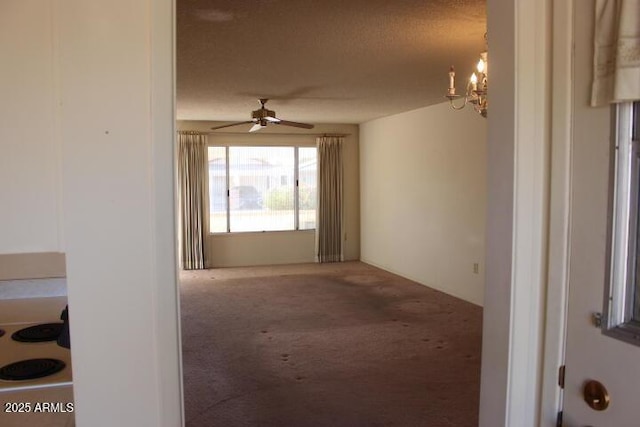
<point>622,301</point>
<point>262,188</point>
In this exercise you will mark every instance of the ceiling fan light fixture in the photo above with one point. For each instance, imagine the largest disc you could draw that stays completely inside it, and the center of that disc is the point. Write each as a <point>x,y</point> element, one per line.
<point>256,127</point>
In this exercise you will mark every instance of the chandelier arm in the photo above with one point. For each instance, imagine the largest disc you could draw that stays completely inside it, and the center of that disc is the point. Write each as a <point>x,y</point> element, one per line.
<point>453,105</point>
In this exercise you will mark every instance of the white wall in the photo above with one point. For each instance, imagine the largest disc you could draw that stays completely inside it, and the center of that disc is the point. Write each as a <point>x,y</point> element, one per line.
<point>29,150</point>
<point>423,197</point>
<point>500,176</point>
<point>285,247</point>
<point>94,81</point>
<point>86,153</point>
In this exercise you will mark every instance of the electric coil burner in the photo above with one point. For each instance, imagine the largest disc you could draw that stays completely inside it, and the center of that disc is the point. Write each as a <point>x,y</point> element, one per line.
<point>38,333</point>
<point>30,357</point>
<point>31,369</point>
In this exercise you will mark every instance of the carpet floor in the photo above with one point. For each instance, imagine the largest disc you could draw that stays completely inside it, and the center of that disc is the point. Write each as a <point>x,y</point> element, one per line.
<point>342,344</point>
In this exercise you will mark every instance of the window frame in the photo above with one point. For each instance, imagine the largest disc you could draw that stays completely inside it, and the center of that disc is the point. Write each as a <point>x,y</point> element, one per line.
<point>296,194</point>
<point>621,307</point>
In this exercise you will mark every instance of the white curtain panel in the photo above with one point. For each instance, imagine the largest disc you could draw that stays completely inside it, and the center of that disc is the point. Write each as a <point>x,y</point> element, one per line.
<point>616,59</point>
<point>192,187</point>
<point>330,200</point>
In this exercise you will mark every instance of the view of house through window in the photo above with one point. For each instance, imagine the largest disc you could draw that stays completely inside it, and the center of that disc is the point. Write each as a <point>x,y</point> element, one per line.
<point>262,188</point>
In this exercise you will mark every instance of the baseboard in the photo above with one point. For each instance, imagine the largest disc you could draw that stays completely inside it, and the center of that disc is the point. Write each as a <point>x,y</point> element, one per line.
<point>420,281</point>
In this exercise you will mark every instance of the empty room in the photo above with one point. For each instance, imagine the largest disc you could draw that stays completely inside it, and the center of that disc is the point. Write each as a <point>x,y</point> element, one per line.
<point>281,213</point>
<point>332,212</point>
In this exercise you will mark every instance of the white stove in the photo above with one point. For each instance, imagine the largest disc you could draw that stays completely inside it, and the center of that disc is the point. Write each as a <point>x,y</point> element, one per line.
<point>24,303</point>
<point>17,314</point>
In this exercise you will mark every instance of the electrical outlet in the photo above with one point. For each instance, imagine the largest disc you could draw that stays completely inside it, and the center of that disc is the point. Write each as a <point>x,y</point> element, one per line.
<point>476,268</point>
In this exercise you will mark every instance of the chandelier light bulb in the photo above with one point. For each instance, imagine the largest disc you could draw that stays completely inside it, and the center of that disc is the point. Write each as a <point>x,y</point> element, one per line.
<point>480,66</point>
<point>474,82</point>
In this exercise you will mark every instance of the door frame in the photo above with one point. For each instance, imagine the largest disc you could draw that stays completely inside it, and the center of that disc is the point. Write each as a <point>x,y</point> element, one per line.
<point>559,208</point>
<point>529,157</point>
<point>166,294</point>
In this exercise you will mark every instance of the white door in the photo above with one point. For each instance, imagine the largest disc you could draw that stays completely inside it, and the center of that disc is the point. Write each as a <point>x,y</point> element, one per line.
<point>591,355</point>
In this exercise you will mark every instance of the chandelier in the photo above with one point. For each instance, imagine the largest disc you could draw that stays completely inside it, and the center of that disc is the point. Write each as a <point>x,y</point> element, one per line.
<point>476,91</point>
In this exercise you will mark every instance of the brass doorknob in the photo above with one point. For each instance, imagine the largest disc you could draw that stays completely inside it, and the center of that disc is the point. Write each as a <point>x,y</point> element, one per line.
<point>596,395</point>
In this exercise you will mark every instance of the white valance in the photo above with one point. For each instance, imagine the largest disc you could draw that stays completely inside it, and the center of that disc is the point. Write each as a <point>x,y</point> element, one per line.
<point>616,59</point>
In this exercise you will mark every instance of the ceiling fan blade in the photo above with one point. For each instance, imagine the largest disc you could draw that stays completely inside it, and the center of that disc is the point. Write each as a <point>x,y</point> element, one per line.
<point>294,124</point>
<point>272,119</point>
<point>232,124</point>
<point>256,127</point>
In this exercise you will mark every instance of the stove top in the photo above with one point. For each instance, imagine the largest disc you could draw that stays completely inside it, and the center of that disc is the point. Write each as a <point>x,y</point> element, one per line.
<point>54,361</point>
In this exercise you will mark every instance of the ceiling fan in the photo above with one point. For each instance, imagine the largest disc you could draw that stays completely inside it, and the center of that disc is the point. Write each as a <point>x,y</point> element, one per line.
<point>261,117</point>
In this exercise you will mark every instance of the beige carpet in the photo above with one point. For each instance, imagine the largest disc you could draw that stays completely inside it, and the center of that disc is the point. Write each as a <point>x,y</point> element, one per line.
<point>342,344</point>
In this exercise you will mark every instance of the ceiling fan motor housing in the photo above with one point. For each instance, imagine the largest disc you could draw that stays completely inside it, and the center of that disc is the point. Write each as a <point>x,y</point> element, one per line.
<point>263,113</point>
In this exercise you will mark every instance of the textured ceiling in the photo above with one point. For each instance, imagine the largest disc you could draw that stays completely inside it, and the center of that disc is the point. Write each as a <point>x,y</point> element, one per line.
<point>328,61</point>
